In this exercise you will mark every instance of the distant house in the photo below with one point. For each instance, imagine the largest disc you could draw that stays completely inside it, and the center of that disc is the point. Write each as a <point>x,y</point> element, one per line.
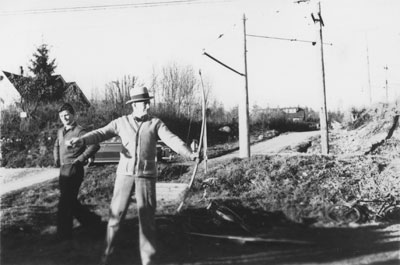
<point>290,113</point>
<point>10,93</point>
<point>294,113</point>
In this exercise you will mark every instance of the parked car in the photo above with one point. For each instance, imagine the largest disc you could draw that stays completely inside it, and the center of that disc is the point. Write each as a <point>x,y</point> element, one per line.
<point>109,151</point>
<point>164,153</point>
<point>313,126</point>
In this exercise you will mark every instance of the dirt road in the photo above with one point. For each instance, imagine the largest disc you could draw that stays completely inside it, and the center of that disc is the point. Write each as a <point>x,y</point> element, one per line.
<point>280,143</point>
<point>274,145</point>
<point>17,178</point>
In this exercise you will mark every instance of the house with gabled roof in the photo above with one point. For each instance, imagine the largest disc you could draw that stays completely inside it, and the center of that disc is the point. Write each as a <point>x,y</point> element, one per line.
<point>10,93</point>
<point>294,113</point>
<point>290,113</point>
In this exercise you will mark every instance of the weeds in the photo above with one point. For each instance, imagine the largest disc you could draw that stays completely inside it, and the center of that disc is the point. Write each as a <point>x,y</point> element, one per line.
<point>299,186</point>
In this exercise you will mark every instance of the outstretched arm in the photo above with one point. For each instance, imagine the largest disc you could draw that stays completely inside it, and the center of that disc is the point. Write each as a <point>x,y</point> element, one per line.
<point>175,142</point>
<point>96,136</point>
<point>89,151</point>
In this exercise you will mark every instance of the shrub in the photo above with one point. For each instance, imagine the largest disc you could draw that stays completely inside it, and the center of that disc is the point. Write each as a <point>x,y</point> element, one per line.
<point>31,140</point>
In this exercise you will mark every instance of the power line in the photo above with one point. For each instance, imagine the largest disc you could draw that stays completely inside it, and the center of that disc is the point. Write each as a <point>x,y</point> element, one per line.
<point>106,7</point>
<point>278,38</point>
<point>95,7</point>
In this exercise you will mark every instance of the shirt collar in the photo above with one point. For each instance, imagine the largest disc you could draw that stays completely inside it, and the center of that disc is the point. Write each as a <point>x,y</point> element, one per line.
<point>70,127</point>
<point>141,119</point>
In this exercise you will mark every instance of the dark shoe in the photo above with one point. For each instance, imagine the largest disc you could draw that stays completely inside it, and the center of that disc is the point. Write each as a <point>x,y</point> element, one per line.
<point>63,237</point>
<point>97,230</point>
<point>93,221</point>
<point>96,219</point>
<point>104,259</point>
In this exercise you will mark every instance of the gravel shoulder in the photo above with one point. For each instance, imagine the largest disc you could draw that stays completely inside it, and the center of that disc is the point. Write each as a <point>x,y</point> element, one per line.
<point>16,178</point>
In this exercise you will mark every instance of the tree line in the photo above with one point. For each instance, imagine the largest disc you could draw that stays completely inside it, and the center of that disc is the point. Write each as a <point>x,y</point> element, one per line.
<point>177,101</point>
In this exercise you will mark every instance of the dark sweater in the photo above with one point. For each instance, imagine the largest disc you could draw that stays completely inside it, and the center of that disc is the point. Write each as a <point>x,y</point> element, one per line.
<point>67,155</point>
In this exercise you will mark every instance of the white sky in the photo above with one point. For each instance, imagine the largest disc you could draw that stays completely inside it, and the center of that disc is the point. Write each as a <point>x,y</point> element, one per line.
<point>95,47</point>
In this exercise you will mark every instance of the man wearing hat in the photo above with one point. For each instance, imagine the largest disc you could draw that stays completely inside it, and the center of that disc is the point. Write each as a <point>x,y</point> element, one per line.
<point>137,170</point>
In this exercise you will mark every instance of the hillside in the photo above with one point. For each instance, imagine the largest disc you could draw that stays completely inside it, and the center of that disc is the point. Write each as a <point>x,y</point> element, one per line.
<point>374,132</point>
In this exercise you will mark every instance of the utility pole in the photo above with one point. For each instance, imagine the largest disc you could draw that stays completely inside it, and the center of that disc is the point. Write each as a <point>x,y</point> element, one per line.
<point>244,139</point>
<point>386,84</point>
<point>323,117</point>
<point>369,77</point>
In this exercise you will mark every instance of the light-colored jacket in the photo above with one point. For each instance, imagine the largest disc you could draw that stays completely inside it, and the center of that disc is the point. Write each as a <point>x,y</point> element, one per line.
<point>139,140</point>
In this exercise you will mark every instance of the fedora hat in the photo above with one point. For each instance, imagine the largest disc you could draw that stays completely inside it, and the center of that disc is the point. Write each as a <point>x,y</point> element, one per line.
<point>138,94</point>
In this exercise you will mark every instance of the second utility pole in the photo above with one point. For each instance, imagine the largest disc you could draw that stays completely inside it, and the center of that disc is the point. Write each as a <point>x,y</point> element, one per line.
<point>244,139</point>
<point>323,117</point>
<point>386,84</point>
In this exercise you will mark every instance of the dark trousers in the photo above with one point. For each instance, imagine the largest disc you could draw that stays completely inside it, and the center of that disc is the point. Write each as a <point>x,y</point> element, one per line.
<point>70,180</point>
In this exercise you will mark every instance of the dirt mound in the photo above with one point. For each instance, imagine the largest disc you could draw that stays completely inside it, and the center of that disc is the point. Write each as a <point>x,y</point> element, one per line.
<point>373,131</point>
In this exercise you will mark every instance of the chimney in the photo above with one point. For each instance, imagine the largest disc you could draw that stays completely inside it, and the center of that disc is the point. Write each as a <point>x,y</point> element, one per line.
<point>21,69</point>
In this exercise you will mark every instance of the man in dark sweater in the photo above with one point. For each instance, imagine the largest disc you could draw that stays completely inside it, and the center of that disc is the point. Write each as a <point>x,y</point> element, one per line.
<point>71,161</point>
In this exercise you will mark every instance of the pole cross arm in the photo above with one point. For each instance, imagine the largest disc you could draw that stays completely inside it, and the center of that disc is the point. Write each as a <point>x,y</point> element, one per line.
<point>221,63</point>
<point>319,19</point>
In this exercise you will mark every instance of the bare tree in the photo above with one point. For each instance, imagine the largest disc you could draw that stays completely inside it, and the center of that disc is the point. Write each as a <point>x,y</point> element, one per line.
<point>117,92</point>
<point>176,90</point>
<point>153,86</point>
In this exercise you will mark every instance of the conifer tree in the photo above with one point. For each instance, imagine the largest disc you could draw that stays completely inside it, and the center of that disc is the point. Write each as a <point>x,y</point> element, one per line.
<point>41,63</point>
<point>43,67</point>
<point>38,88</point>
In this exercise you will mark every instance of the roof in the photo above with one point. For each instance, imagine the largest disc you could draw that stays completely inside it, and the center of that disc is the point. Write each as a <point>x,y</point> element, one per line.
<point>9,95</point>
<point>57,80</point>
<point>13,77</point>
<point>292,110</point>
<point>72,87</point>
<point>285,109</point>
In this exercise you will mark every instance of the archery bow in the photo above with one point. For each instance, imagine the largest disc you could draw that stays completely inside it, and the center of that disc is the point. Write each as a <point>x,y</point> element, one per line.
<point>203,115</point>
